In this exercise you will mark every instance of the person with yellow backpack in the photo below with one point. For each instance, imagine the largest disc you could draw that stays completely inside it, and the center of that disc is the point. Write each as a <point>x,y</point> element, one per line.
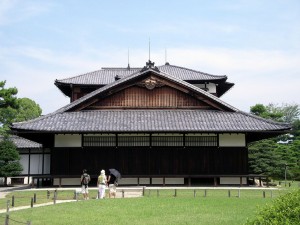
<point>101,184</point>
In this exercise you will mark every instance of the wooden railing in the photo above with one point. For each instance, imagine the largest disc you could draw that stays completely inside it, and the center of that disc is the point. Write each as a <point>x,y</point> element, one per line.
<point>215,177</point>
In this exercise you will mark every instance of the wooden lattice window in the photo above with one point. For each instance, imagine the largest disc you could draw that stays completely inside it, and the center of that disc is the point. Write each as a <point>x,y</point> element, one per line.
<point>99,141</point>
<point>201,141</point>
<point>167,140</point>
<point>133,141</point>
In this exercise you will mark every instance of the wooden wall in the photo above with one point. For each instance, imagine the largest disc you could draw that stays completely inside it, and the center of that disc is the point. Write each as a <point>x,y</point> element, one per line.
<point>150,161</point>
<point>160,97</point>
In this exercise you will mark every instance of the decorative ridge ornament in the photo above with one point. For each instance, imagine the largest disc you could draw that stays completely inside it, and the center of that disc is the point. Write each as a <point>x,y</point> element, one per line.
<point>150,83</point>
<point>150,65</point>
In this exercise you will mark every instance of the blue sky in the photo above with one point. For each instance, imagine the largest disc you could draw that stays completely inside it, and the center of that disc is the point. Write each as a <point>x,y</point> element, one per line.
<point>255,43</point>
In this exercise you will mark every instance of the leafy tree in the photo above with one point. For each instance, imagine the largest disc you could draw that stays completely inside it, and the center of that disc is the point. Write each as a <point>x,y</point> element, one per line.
<point>9,159</point>
<point>268,112</point>
<point>8,100</point>
<point>296,128</point>
<point>27,109</point>
<point>263,159</point>
<point>286,113</point>
<point>12,109</point>
<point>269,156</point>
<point>284,210</point>
<point>291,113</point>
<point>7,96</point>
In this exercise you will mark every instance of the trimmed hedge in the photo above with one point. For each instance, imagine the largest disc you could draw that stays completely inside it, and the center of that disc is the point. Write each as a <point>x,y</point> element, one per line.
<point>284,210</point>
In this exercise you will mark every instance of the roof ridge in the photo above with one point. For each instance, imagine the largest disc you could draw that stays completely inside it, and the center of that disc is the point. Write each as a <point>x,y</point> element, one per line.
<point>181,67</point>
<point>79,75</point>
<point>91,94</point>
<point>120,68</point>
<point>123,79</point>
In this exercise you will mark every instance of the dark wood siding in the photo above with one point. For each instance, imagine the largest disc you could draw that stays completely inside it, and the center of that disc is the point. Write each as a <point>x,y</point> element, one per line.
<point>139,97</point>
<point>151,161</point>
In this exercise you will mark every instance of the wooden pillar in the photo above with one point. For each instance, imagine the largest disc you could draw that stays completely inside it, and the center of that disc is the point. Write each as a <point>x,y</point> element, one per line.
<point>215,181</point>
<point>29,156</point>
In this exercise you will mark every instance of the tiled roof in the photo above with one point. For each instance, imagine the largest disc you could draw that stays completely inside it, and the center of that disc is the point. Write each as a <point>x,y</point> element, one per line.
<point>22,142</point>
<point>107,75</point>
<point>99,77</point>
<point>137,74</point>
<point>150,121</point>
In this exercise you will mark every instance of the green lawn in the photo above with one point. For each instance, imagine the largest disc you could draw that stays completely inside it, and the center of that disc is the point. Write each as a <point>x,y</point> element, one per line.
<point>153,208</point>
<point>147,210</point>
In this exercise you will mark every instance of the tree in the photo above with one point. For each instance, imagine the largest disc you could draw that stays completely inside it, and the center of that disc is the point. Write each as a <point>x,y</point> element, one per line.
<point>269,156</point>
<point>263,159</point>
<point>12,109</point>
<point>9,159</point>
<point>288,113</point>
<point>8,102</point>
<point>27,110</point>
<point>7,96</point>
<point>291,113</point>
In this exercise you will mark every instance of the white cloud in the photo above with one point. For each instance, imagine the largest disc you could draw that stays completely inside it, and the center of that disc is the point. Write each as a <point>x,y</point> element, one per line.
<point>259,76</point>
<point>12,11</point>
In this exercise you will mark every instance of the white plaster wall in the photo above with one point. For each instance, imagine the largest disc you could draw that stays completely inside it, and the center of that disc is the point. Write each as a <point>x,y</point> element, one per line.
<point>67,140</point>
<point>212,88</point>
<point>128,181</point>
<point>67,181</point>
<point>36,163</point>
<point>47,164</point>
<point>24,162</point>
<point>232,140</point>
<point>174,180</point>
<point>145,180</point>
<point>157,181</point>
<point>232,180</point>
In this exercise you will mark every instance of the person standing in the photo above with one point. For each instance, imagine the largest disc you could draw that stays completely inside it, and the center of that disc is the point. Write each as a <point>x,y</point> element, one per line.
<point>84,180</point>
<point>111,185</point>
<point>101,184</point>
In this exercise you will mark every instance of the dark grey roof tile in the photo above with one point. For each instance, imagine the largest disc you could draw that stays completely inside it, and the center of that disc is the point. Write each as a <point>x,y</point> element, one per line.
<point>23,142</point>
<point>107,75</point>
<point>151,121</point>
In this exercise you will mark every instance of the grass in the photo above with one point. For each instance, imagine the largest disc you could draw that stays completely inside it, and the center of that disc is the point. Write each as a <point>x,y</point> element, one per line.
<point>153,208</point>
<point>147,210</point>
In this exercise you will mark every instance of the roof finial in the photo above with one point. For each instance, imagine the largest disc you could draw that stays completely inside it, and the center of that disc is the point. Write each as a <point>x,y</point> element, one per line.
<point>166,55</point>
<point>128,67</point>
<point>149,48</point>
<point>166,61</point>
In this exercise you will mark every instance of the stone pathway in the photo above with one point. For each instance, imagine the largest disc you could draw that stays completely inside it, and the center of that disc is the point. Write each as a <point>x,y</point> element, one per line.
<point>121,193</point>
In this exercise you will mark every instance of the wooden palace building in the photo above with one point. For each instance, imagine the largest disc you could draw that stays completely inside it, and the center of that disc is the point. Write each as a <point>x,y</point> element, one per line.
<point>161,125</point>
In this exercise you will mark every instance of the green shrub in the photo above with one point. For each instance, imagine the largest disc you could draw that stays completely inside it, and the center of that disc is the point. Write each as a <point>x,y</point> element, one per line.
<point>284,210</point>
